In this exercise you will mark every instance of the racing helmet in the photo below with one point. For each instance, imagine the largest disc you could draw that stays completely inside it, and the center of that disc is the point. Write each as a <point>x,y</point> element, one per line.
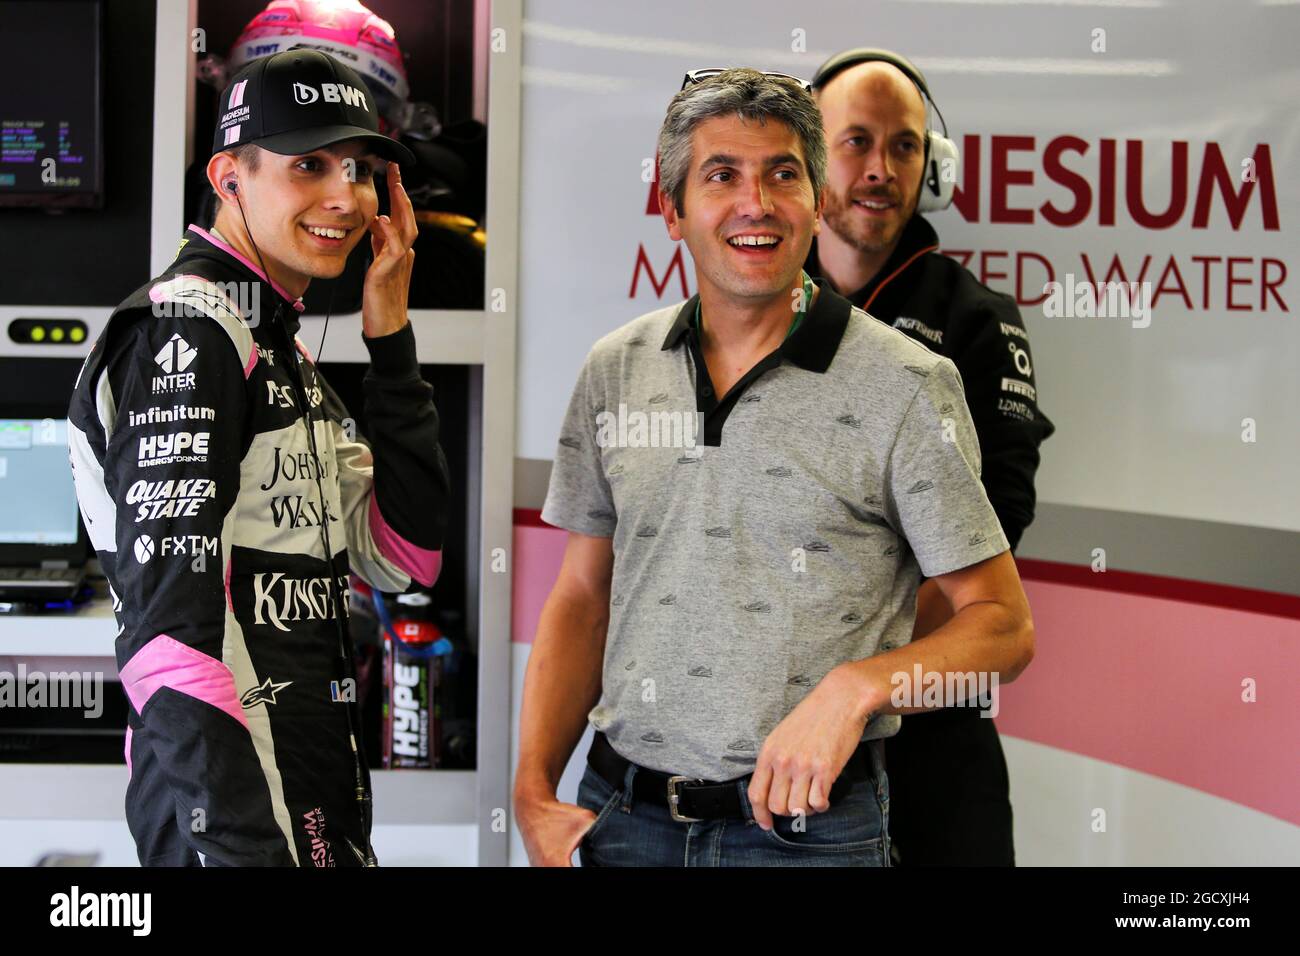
<point>350,32</point>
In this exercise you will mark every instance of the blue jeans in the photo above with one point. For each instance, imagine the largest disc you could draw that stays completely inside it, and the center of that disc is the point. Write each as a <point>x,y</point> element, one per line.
<point>854,831</point>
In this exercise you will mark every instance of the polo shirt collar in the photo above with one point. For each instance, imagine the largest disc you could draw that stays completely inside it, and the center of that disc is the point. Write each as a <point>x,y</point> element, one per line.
<point>811,346</point>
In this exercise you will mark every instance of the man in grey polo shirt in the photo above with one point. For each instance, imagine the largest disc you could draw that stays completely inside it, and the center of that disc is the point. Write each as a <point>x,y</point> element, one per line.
<point>732,611</point>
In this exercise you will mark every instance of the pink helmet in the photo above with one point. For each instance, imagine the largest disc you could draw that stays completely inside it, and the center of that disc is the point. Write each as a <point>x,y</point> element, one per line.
<point>345,30</point>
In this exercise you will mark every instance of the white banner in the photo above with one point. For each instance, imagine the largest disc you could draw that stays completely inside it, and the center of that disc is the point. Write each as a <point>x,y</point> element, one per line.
<point>1147,142</point>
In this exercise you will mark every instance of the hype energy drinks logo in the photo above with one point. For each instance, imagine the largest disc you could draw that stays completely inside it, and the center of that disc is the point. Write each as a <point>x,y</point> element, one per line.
<point>412,710</point>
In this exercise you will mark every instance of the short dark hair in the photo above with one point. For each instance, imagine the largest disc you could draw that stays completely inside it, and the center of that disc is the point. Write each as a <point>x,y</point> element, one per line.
<point>752,95</point>
<point>247,154</point>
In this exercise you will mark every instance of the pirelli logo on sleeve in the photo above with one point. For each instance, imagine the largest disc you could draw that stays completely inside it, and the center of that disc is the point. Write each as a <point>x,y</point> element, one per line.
<point>1017,387</point>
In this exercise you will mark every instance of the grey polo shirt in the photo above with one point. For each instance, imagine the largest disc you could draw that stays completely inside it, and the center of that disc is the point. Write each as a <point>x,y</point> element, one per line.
<point>790,540</point>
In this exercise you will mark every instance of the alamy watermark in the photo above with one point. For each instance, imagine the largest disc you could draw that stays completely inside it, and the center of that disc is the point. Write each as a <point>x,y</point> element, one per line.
<point>190,297</point>
<point>77,690</point>
<point>658,429</point>
<point>1098,300</point>
<point>934,689</point>
<point>74,908</point>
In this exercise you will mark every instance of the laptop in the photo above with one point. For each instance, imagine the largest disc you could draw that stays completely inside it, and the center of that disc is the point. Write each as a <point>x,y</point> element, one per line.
<point>43,546</point>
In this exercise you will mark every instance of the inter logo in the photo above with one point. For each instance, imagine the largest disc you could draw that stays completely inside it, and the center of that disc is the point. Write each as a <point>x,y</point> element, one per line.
<point>176,355</point>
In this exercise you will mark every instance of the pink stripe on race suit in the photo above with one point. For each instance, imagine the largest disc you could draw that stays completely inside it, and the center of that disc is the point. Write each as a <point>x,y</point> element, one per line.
<point>156,292</point>
<point>421,564</point>
<point>252,360</point>
<point>128,753</point>
<point>231,250</point>
<point>166,662</point>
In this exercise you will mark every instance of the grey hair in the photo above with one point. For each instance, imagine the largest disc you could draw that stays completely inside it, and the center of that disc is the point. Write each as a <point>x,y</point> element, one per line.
<point>752,95</point>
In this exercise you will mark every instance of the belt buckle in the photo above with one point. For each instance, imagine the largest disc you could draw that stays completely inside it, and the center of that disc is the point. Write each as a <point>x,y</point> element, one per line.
<point>674,797</point>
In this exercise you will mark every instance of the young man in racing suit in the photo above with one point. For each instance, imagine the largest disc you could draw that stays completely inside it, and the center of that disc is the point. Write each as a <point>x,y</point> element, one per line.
<point>226,525</point>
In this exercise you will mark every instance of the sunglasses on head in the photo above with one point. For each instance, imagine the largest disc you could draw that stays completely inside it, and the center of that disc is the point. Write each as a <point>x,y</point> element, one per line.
<point>699,76</point>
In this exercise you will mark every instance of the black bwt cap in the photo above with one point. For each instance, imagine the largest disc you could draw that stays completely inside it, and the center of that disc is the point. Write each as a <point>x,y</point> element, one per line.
<point>298,101</point>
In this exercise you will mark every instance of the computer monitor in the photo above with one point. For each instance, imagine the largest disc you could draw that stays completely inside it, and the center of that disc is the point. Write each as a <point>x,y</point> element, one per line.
<point>39,518</point>
<point>51,110</point>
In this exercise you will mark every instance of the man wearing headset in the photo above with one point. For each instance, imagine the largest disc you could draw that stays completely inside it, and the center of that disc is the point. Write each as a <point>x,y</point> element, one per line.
<point>228,495</point>
<point>951,803</point>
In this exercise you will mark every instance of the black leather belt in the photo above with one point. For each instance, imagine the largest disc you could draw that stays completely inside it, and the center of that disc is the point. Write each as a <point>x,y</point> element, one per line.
<point>689,799</point>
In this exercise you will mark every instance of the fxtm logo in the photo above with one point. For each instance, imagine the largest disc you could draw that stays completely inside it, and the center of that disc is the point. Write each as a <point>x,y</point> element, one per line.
<point>183,545</point>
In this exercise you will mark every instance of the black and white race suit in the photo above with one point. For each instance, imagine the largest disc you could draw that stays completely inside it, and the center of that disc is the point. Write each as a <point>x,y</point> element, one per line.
<point>204,496</point>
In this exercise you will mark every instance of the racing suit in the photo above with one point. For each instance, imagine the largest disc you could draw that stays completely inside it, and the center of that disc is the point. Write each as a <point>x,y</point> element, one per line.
<point>950,794</point>
<point>204,497</point>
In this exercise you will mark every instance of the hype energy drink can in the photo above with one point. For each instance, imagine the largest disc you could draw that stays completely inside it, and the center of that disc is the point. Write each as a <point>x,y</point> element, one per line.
<point>412,703</point>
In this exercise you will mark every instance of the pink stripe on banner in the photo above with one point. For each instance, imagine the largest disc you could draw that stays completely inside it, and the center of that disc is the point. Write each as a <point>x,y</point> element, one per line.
<point>1136,680</point>
<point>231,250</point>
<point>166,662</point>
<point>128,752</point>
<point>1157,685</point>
<point>420,563</point>
<point>539,552</point>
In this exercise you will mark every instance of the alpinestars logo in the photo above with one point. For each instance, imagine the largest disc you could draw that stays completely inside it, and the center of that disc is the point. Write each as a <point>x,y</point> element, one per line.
<point>277,599</point>
<point>263,694</point>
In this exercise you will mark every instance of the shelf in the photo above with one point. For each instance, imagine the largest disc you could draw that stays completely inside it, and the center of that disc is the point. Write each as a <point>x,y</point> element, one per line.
<point>441,337</point>
<point>87,632</point>
<point>37,791</point>
<point>425,796</point>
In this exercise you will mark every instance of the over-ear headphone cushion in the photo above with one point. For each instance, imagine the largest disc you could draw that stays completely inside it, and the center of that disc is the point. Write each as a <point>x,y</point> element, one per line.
<point>940,178</point>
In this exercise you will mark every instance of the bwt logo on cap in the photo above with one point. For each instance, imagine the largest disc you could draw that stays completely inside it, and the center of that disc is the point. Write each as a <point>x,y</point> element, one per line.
<point>305,95</point>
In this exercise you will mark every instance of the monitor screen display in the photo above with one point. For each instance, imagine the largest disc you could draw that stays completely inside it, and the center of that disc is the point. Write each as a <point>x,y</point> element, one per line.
<point>38,501</point>
<point>50,110</point>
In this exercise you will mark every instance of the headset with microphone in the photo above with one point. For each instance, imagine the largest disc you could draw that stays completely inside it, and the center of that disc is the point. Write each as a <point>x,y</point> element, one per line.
<point>936,187</point>
<point>363,793</point>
